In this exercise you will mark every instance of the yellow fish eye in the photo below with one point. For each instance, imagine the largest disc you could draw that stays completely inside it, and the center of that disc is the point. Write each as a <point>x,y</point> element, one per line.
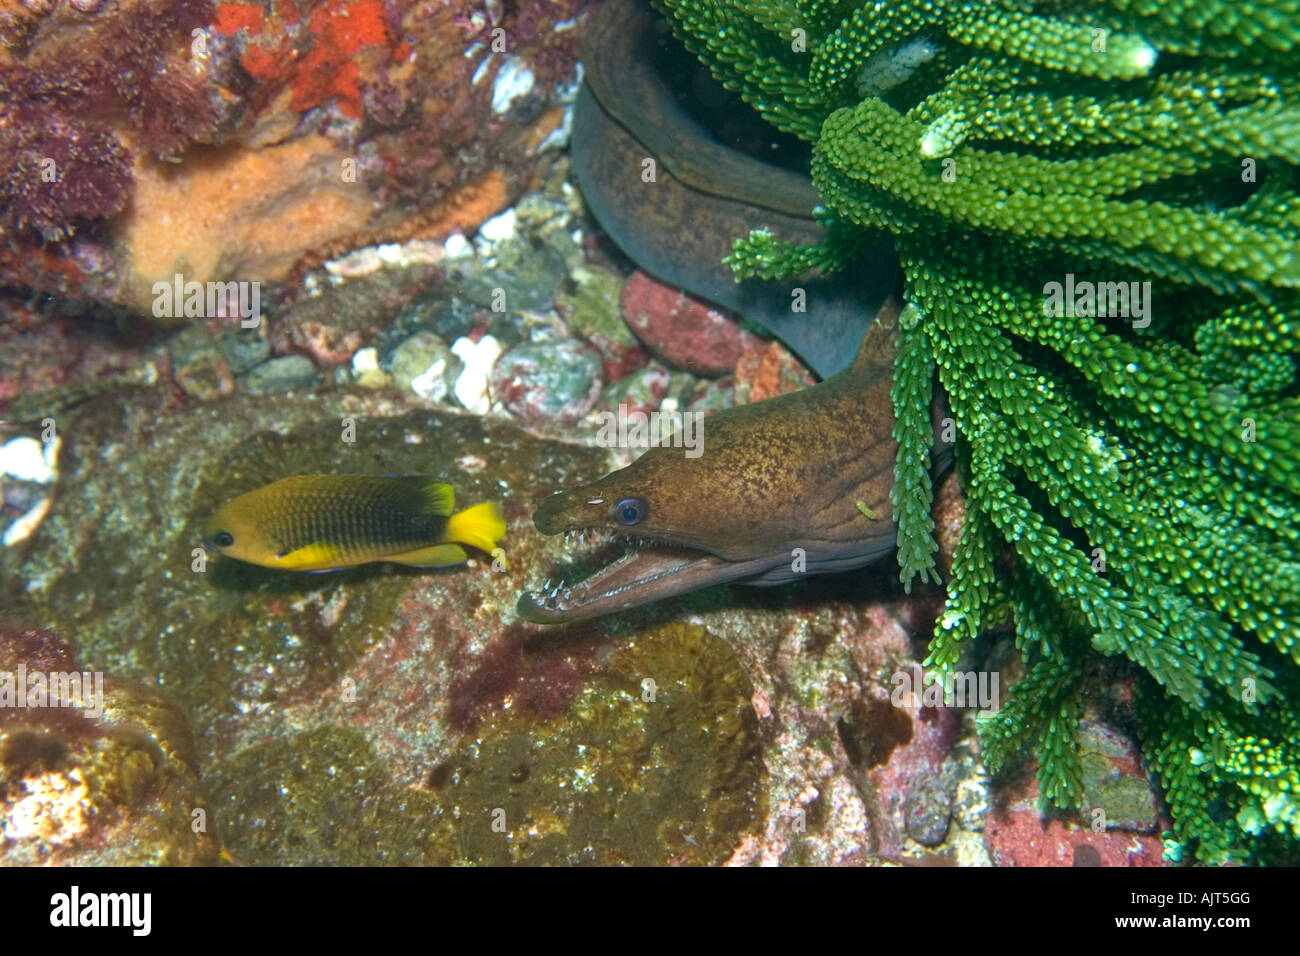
<point>223,539</point>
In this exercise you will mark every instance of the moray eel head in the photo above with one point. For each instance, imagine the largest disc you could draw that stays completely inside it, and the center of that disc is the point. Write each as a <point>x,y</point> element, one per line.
<point>675,545</point>
<point>792,485</point>
<point>656,498</point>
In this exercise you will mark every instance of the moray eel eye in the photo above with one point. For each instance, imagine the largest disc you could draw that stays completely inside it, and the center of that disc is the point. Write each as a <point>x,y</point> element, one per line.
<point>631,511</point>
<point>223,539</point>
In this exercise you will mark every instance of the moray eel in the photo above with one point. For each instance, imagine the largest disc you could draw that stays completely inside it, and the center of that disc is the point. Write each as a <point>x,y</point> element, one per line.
<point>705,194</point>
<point>798,484</point>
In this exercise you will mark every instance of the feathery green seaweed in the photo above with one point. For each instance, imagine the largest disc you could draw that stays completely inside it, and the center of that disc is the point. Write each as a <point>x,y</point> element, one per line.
<point>1097,209</point>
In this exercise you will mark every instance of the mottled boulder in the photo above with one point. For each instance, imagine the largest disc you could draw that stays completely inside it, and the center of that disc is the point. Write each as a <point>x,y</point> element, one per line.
<point>681,330</point>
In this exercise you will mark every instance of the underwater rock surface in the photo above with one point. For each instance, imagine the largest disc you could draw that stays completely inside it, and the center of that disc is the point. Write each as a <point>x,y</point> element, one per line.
<point>388,715</point>
<point>119,787</point>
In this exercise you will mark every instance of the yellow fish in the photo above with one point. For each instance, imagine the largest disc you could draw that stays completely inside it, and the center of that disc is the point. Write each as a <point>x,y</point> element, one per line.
<point>327,522</point>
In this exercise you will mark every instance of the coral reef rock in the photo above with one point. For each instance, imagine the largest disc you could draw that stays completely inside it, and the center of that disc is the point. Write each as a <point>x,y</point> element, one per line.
<point>230,141</point>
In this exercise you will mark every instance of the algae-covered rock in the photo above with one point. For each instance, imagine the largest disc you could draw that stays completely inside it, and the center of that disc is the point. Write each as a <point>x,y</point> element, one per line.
<point>424,364</point>
<point>383,714</point>
<point>199,365</point>
<point>556,381</point>
<point>320,797</point>
<point>93,770</point>
<point>655,760</point>
<point>591,308</point>
<point>117,561</point>
<point>279,374</point>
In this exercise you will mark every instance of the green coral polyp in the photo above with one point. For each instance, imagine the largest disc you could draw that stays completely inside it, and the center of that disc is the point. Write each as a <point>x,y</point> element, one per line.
<point>1142,469</point>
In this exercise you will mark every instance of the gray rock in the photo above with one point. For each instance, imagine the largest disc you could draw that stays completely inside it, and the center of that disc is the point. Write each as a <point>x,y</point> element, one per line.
<point>244,348</point>
<point>927,812</point>
<point>281,374</point>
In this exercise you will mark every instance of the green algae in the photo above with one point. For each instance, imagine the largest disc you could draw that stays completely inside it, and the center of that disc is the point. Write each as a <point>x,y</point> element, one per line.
<point>1161,436</point>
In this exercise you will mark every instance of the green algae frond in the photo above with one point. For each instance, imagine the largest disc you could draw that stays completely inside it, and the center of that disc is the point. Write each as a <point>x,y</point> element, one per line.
<point>1140,457</point>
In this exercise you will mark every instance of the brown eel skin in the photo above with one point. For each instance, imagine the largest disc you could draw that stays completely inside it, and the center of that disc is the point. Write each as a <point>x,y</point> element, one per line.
<point>779,475</point>
<point>705,195</point>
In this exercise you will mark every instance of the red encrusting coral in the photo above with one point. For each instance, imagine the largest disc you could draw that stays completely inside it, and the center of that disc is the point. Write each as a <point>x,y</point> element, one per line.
<point>336,31</point>
<point>233,17</point>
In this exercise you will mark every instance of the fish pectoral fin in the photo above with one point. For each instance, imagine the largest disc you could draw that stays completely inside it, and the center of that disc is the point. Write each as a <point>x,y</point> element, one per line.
<point>440,555</point>
<point>317,556</point>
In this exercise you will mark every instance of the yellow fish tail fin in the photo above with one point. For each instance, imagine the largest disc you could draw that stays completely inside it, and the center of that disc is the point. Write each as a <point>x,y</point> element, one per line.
<point>481,526</point>
<point>440,497</point>
<point>438,556</point>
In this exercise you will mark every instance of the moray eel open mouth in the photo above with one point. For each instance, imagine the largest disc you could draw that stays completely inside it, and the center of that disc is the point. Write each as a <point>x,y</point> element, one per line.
<point>634,571</point>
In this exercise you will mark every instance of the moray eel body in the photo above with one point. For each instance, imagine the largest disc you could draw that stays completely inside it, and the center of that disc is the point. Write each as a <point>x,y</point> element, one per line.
<point>704,196</point>
<point>775,494</point>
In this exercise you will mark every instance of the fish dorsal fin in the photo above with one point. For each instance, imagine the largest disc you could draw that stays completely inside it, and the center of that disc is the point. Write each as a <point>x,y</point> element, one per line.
<point>879,346</point>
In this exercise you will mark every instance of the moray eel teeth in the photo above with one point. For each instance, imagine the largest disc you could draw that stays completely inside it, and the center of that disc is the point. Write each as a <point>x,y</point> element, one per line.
<point>646,574</point>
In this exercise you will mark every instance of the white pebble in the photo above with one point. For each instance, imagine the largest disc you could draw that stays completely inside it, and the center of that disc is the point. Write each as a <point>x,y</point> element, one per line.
<point>471,387</point>
<point>457,246</point>
<point>22,529</point>
<point>359,262</point>
<point>499,227</point>
<point>481,70</point>
<point>514,80</point>
<point>365,360</point>
<point>29,460</point>
<point>430,385</point>
<point>558,138</point>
